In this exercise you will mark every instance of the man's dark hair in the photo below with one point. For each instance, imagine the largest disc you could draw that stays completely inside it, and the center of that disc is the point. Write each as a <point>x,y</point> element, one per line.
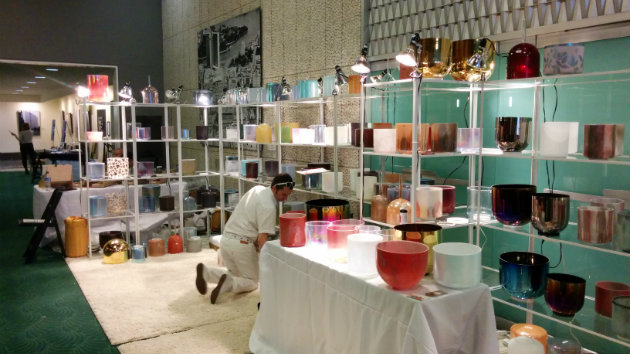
<point>283,179</point>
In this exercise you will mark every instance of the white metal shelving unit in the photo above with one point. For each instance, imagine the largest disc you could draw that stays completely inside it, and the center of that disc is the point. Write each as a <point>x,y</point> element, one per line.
<point>119,109</point>
<point>586,320</point>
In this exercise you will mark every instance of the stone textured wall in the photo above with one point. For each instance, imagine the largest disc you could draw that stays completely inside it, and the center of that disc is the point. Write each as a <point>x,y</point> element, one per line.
<point>301,39</point>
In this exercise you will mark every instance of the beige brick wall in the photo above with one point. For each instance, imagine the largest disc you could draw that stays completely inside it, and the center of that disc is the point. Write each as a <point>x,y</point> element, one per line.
<point>301,39</point>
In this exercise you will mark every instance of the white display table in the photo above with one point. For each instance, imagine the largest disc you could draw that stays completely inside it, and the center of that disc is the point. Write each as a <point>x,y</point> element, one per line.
<point>310,304</point>
<point>71,205</point>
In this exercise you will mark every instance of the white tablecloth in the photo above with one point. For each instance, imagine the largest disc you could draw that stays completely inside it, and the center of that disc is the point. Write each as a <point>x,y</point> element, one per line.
<point>74,201</point>
<point>310,304</point>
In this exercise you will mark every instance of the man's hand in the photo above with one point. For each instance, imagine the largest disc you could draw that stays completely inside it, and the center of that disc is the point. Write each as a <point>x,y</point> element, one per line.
<point>260,241</point>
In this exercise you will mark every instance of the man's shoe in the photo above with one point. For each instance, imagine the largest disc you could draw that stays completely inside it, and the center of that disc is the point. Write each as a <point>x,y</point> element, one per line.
<point>202,286</point>
<point>217,290</point>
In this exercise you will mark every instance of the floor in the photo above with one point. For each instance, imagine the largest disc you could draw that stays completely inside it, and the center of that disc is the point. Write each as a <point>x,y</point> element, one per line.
<point>43,309</point>
<point>11,165</point>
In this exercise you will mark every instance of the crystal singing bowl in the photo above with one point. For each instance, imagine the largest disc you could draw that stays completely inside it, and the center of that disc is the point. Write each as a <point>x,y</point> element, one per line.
<point>401,264</point>
<point>565,293</point>
<point>292,229</point>
<point>115,251</point>
<point>511,203</point>
<point>512,133</point>
<point>427,234</point>
<point>435,57</point>
<point>327,209</point>
<point>473,59</point>
<point>457,264</point>
<point>523,274</point>
<point>550,213</point>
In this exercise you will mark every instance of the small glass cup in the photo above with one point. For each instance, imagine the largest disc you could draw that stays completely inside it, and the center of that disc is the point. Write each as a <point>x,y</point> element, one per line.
<point>621,316</point>
<point>388,234</point>
<point>368,229</point>
<point>138,254</point>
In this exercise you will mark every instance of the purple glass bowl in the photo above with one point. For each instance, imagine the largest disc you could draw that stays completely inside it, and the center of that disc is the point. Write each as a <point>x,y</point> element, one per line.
<point>512,203</point>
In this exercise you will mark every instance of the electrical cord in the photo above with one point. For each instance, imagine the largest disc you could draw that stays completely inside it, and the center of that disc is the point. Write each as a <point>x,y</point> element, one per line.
<point>465,157</point>
<point>551,178</point>
<point>559,260</point>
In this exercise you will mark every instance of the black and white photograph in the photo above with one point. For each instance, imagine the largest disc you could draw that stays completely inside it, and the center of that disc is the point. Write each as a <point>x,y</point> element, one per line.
<point>229,54</point>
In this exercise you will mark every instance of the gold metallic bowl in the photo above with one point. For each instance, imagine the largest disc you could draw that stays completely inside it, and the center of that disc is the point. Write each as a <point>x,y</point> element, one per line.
<point>115,251</point>
<point>435,57</point>
<point>473,59</point>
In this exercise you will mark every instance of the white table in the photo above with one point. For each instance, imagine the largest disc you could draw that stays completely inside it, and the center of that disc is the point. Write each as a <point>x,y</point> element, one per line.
<point>74,201</point>
<point>310,304</point>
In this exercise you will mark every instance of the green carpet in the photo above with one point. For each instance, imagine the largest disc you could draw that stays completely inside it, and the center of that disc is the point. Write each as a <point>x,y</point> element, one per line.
<point>43,309</point>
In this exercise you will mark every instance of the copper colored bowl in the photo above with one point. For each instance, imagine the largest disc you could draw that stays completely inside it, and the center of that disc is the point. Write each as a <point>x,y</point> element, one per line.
<point>565,293</point>
<point>550,213</point>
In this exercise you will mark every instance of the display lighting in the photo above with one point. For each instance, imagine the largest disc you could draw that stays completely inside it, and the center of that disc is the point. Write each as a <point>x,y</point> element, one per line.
<point>385,75</point>
<point>409,57</point>
<point>126,93</point>
<point>361,66</point>
<point>83,91</point>
<point>340,80</point>
<point>203,98</point>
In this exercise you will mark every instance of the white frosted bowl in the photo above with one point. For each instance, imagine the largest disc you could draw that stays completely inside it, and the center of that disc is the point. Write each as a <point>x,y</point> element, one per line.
<point>457,264</point>
<point>362,253</point>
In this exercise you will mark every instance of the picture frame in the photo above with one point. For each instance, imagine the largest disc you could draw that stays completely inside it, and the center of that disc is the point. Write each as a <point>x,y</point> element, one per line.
<point>32,118</point>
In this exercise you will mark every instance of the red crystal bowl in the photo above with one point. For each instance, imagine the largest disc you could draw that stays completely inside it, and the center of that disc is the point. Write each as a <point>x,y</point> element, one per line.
<point>401,264</point>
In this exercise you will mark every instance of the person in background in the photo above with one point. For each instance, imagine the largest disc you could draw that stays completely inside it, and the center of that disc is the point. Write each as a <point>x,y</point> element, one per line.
<point>25,137</point>
<point>245,233</point>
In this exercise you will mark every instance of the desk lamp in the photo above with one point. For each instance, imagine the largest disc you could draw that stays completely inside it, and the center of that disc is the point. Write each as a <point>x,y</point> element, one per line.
<point>410,56</point>
<point>340,80</point>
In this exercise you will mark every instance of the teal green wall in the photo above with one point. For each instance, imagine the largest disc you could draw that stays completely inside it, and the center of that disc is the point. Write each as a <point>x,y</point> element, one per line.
<point>588,103</point>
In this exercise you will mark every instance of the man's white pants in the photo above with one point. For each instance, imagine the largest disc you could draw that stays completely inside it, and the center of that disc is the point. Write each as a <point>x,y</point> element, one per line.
<point>241,261</point>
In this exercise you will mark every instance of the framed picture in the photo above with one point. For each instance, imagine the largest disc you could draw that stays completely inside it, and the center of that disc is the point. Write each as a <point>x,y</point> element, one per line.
<point>32,118</point>
<point>229,55</point>
<point>100,120</point>
<point>71,126</point>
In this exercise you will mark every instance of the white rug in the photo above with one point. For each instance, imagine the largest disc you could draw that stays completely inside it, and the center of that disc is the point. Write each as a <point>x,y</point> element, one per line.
<point>225,337</point>
<point>138,301</point>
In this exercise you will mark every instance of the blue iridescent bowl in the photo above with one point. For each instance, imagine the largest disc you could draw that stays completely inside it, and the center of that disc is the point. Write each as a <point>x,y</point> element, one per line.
<point>523,274</point>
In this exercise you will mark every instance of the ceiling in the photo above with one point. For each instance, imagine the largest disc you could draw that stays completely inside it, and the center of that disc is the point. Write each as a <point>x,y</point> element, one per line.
<point>16,75</point>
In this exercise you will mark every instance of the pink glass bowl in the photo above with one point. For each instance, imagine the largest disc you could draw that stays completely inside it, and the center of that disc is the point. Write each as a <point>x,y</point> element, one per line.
<point>338,235</point>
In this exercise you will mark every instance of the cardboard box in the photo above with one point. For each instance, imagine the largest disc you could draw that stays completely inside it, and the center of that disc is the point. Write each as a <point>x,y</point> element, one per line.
<point>60,175</point>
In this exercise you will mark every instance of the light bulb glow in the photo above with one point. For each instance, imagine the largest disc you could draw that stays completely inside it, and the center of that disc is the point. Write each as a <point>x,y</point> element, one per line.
<point>83,91</point>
